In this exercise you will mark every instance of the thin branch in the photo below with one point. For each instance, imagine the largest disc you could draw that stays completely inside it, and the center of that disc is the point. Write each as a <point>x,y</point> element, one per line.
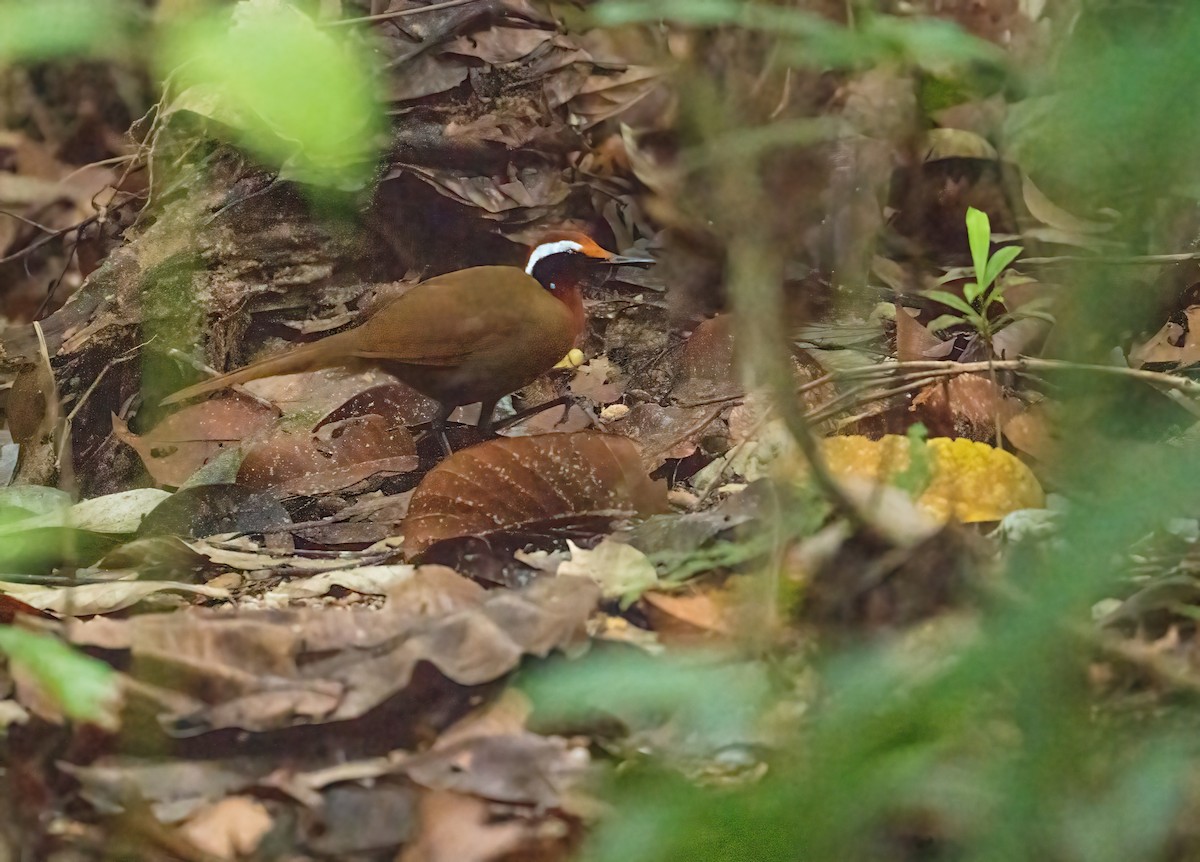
<point>27,221</point>
<point>1119,260</point>
<point>401,13</point>
<point>949,368</point>
<point>50,237</point>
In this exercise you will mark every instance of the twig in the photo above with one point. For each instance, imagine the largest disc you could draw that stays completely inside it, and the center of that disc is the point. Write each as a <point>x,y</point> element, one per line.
<point>949,368</point>
<point>1119,260</point>
<point>401,13</point>
<point>50,237</point>
<point>27,221</point>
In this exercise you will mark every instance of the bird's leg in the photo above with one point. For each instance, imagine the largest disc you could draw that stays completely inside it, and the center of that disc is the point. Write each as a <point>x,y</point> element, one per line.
<point>487,410</point>
<point>530,411</point>
<point>437,427</point>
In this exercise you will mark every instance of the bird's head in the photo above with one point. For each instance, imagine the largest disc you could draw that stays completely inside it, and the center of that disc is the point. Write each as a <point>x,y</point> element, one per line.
<point>565,257</point>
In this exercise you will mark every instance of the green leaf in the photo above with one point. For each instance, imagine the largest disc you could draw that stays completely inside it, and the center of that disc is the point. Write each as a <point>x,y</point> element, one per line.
<point>1001,259</point>
<point>52,28</point>
<point>979,235</point>
<point>945,321</point>
<point>298,96</point>
<point>83,687</point>
<point>915,478</point>
<point>955,302</point>
<point>971,291</point>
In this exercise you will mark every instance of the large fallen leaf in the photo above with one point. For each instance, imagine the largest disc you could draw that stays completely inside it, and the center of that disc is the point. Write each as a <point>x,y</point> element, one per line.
<point>706,369</point>
<point>970,481</point>
<point>529,482</point>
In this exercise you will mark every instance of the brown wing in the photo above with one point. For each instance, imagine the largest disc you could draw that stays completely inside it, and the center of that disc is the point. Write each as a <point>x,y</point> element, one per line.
<point>451,318</point>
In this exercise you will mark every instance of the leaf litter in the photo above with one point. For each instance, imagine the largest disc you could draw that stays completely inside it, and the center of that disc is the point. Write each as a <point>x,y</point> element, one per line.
<point>320,682</point>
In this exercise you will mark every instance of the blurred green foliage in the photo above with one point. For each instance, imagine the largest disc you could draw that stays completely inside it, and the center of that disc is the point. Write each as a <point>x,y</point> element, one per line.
<point>53,28</point>
<point>84,688</point>
<point>808,39</point>
<point>299,96</point>
<point>979,739</point>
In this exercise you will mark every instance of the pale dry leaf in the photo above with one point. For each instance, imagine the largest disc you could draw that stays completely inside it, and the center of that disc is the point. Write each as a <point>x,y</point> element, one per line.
<point>112,513</point>
<point>701,611</point>
<point>459,828</point>
<point>230,829</point>
<point>620,570</point>
<point>368,580</point>
<point>89,599</point>
<point>252,561</point>
<point>1177,343</point>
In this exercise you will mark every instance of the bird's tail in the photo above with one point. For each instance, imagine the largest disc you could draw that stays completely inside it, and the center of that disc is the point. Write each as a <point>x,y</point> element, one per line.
<point>306,357</point>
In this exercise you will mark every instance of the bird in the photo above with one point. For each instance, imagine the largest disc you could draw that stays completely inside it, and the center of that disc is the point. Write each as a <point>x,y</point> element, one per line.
<point>473,335</point>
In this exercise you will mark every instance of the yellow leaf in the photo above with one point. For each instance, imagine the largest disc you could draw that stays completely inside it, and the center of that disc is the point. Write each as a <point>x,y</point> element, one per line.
<point>971,481</point>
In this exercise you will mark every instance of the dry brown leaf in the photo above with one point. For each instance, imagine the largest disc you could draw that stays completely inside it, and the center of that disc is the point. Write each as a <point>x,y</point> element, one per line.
<point>426,76</point>
<point>333,457</point>
<point>261,670</point>
<point>706,369</point>
<point>682,614</point>
<point>178,446</point>
<point>498,45</point>
<point>249,559</point>
<point>520,482</point>
<point>913,341</point>
<point>597,380</point>
<point>666,432</point>
<point>964,406</point>
<point>520,768</point>
<point>526,188</point>
<point>1030,433</point>
<point>175,789</point>
<point>369,580</point>
<point>603,97</point>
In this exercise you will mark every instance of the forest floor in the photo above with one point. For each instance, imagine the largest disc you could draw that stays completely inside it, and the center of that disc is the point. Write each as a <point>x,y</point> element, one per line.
<point>829,515</point>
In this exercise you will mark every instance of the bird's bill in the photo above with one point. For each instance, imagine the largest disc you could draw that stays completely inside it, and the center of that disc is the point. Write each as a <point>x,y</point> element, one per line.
<point>628,260</point>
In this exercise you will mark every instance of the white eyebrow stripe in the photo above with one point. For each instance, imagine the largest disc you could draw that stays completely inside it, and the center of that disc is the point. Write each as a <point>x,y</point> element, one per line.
<point>548,248</point>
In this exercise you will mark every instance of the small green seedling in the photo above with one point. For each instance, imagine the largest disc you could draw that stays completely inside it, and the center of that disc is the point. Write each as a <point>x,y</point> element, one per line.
<point>915,478</point>
<point>986,290</point>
